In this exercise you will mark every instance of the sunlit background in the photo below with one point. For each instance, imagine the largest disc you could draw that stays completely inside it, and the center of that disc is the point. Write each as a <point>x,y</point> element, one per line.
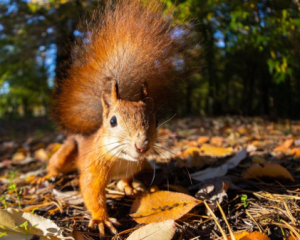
<point>242,55</point>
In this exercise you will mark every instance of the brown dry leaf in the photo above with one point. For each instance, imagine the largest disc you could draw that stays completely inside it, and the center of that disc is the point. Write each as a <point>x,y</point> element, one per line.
<point>212,151</point>
<point>161,205</point>
<point>41,154</point>
<point>239,235</point>
<point>250,236</point>
<point>295,152</point>
<point>163,230</point>
<point>217,141</point>
<point>18,157</point>
<point>256,143</point>
<point>192,143</point>
<point>255,236</point>
<point>213,190</point>
<point>285,146</point>
<point>291,238</point>
<point>268,170</point>
<point>203,139</point>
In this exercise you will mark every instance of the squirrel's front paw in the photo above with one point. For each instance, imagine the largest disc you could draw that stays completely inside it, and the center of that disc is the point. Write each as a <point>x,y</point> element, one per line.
<point>108,222</point>
<point>133,187</point>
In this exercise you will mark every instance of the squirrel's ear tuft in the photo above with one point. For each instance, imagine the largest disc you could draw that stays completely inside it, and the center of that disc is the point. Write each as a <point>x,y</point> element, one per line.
<point>114,93</point>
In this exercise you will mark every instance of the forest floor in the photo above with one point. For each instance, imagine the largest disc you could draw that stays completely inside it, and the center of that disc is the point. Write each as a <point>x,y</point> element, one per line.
<point>216,177</point>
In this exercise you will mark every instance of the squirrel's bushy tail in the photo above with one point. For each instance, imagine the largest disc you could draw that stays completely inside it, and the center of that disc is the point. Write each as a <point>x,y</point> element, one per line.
<point>129,43</point>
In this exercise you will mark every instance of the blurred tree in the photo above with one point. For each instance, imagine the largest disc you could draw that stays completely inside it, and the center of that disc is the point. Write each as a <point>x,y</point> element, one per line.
<point>249,57</point>
<point>35,47</point>
<point>251,50</point>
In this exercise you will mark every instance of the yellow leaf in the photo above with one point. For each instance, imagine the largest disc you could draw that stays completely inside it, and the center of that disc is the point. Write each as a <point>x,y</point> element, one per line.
<point>213,151</point>
<point>161,206</point>
<point>268,170</point>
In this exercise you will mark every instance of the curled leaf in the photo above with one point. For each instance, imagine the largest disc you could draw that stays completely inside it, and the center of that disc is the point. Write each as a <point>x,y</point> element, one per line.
<point>17,224</point>
<point>268,170</point>
<point>161,205</point>
<point>153,231</point>
<point>221,170</point>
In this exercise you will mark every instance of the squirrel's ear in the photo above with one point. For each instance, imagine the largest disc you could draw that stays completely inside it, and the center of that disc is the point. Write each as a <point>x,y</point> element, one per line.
<point>106,102</point>
<point>114,93</point>
<point>109,99</point>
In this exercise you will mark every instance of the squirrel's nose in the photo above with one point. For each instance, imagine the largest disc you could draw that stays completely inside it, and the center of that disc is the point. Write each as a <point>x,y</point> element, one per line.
<point>142,147</point>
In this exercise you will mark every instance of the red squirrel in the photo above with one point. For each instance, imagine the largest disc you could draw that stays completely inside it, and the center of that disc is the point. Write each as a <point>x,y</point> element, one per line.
<point>120,76</point>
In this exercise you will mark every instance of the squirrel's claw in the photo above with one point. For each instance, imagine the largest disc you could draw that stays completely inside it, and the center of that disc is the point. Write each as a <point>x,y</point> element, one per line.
<point>108,223</point>
<point>40,180</point>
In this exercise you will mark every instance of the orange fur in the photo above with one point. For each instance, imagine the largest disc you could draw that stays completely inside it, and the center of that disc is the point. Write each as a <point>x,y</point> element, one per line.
<point>130,44</point>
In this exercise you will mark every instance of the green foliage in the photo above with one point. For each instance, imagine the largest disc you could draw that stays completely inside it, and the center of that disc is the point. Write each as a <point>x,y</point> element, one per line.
<point>13,186</point>
<point>3,202</point>
<point>248,62</point>
<point>3,234</point>
<point>250,53</point>
<point>244,198</point>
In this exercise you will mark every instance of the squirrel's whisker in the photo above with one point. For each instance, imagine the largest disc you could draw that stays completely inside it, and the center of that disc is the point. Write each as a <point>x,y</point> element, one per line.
<point>166,121</point>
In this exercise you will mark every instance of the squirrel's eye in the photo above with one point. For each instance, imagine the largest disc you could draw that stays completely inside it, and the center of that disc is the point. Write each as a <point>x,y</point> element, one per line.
<point>113,121</point>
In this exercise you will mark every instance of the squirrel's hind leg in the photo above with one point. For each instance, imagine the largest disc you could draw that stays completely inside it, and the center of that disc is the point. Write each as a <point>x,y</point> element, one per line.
<point>63,160</point>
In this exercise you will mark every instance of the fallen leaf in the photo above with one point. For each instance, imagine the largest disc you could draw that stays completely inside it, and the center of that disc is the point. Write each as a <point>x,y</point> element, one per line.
<point>160,206</point>
<point>162,230</point>
<point>191,151</point>
<point>221,170</point>
<point>255,236</point>
<point>202,139</point>
<point>258,159</point>
<point>245,235</point>
<point>295,152</point>
<point>213,190</point>
<point>217,141</point>
<point>291,238</point>
<point>18,157</point>
<point>17,224</point>
<point>70,197</point>
<point>41,154</point>
<point>192,143</point>
<point>285,146</point>
<point>239,235</point>
<point>268,170</point>
<point>212,151</point>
